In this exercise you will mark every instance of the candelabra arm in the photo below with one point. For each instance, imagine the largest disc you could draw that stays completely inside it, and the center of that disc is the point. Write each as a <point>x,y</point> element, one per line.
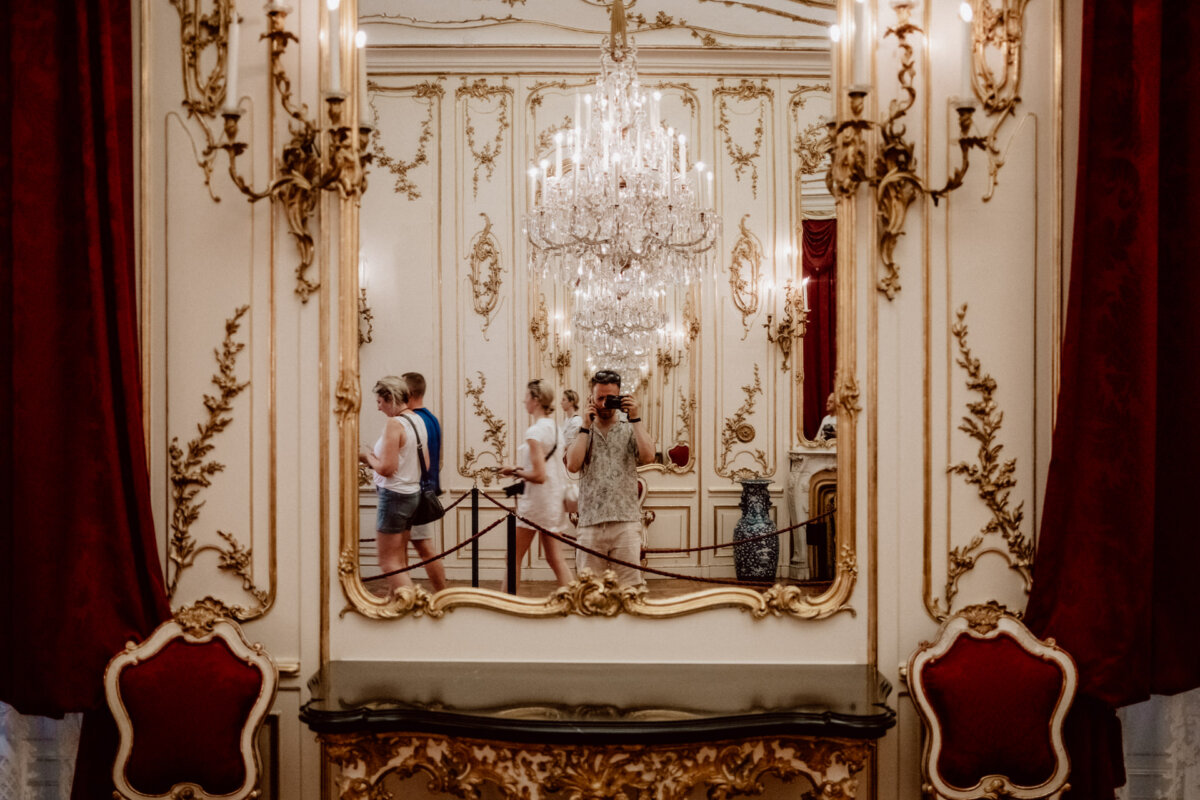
<point>965,142</point>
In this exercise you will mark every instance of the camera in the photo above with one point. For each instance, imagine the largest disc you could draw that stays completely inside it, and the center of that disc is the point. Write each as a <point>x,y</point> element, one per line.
<point>613,401</point>
<point>515,489</point>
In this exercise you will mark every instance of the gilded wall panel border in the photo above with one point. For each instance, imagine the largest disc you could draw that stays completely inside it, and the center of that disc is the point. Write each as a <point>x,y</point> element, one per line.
<point>743,157</point>
<point>736,429</point>
<point>485,268</point>
<point>745,274</point>
<point>495,436</point>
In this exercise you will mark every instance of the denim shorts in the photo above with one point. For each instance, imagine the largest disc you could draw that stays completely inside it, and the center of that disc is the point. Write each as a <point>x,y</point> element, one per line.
<point>395,511</point>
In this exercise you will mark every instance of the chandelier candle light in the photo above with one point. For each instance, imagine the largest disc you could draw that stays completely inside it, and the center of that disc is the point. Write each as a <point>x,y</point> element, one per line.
<point>622,218</point>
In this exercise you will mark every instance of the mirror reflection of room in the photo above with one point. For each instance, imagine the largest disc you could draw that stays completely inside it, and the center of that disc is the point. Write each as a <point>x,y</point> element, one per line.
<point>608,214</point>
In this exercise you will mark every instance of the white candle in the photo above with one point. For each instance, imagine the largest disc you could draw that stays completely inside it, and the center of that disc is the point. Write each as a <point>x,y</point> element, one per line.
<point>532,188</point>
<point>364,106</point>
<point>231,66</point>
<point>682,157</point>
<point>967,89</point>
<point>577,102</point>
<point>709,198</point>
<point>655,120</point>
<point>861,45</point>
<point>544,174</point>
<point>335,46</point>
<point>835,38</point>
<point>804,293</point>
<point>558,162</point>
<point>587,119</point>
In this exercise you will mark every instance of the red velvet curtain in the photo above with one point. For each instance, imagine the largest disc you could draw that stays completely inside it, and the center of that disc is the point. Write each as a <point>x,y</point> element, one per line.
<point>1113,580</point>
<point>79,569</point>
<point>819,264</point>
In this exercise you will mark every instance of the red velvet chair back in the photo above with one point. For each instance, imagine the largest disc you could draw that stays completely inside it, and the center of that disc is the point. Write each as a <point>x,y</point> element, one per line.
<point>189,702</point>
<point>992,698</point>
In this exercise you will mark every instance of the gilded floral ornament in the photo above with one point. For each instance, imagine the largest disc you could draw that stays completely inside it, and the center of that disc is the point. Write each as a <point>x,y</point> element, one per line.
<point>461,766</point>
<point>745,268</point>
<point>431,92</point>
<point>198,619</point>
<point>484,274</point>
<point>487,155</point>
<point>993,479</point>
<point>743,158</point>
<point>736,429</point>
<point>493,435</point>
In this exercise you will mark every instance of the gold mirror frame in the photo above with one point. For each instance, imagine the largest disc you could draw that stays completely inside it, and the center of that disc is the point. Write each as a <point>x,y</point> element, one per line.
<point>588,595</point>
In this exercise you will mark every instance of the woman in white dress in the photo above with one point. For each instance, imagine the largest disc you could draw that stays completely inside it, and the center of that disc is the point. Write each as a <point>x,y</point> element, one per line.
<point>540,466</point>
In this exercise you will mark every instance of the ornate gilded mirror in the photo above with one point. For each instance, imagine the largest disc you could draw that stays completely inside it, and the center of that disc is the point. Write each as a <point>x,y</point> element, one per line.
<point>466,103</point>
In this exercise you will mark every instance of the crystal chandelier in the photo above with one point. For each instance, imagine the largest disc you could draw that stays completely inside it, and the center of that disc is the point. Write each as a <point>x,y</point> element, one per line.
<point>622,218</point>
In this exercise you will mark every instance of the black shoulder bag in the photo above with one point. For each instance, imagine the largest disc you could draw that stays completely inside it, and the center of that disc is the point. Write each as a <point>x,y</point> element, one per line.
<point>429,507</point>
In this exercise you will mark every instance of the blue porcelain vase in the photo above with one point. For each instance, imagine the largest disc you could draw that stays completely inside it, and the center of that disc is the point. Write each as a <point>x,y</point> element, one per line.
<point>758,560</point>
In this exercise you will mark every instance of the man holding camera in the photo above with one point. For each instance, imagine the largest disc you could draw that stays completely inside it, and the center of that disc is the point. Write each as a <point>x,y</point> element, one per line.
<point>607,452</point>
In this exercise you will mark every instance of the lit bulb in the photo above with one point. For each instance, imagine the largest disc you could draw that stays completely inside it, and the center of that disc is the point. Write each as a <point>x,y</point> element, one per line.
<point>965,11</point>
<point>835,33</point>
<point>360,39</point>
<point>332,5</point>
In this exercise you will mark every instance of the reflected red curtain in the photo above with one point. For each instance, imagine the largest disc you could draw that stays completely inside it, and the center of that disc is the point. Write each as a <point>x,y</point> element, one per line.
<point>78,564</point>
<point>1118,545</point>
<point>819,264</point>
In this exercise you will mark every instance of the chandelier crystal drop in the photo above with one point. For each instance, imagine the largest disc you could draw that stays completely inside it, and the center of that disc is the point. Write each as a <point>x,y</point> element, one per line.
<point>620,214</point>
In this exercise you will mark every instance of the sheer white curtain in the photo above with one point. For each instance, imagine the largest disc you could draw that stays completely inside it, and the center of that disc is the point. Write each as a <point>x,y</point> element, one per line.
<point>37,755</point>
<point>1162,748</point>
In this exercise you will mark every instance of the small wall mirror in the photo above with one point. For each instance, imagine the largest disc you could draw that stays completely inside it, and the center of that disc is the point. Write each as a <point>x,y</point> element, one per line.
<point>736,386</point>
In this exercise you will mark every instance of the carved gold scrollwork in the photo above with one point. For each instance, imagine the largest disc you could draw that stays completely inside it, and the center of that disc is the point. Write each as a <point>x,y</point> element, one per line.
<point>429,91</point>
<point>741,157</point>
<point>461,766</point>
<point>737,429</point>
<point>484,259</point>
<point>745,266</point>
<point>199,618</point>
<point>347,397</point>
<point>204,91</point>
<point>493,435</point>
<point>487,155</point>
<point>539,325</point>
<point>999,28</point>
<point>810,144</point>
<point>190,473</point>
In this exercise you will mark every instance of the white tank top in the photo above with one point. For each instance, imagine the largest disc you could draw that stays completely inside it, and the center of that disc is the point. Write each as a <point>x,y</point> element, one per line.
<point>407,477</point>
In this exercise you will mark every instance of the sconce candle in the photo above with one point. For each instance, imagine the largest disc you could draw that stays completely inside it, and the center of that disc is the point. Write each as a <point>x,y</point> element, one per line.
<point>835,38</point>
<point>364,106</point>
<point>231,66</point>
<point>335,47</point>
<point>861,45</point>
<point>967,14</point>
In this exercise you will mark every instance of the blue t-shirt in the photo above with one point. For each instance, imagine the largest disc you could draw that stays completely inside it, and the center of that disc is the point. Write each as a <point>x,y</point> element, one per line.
<point>433,448</point>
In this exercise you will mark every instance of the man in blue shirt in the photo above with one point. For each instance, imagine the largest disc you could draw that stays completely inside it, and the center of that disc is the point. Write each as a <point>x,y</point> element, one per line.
<point>422,535</point>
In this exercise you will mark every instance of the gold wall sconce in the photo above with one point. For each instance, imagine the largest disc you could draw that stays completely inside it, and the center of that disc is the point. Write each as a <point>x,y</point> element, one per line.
<point>793,324</point>
<point>309,161</point>
<point>560,358</point>
<point>892,171</point>
<point>366,320</point>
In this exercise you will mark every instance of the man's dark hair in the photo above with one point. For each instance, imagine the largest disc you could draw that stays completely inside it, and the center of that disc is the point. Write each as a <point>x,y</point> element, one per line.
<point>416,383</point>
<point>606,376</point>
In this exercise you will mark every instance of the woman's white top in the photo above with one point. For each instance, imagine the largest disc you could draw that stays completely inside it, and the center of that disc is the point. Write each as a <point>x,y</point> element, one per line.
<point>407,477</point>
<point>542,503</point>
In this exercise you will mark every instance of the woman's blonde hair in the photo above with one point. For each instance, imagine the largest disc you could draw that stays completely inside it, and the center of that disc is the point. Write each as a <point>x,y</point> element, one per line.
<point>541,390</point>
<point>392,388</point>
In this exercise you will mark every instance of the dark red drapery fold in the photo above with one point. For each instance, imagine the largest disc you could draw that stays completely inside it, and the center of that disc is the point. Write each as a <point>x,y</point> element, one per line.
<point>79,567</point>
<point>819,264</point>
<point>1117,545</point>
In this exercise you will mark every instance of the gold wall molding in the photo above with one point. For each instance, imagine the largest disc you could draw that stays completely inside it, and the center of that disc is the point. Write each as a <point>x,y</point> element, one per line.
<point>485,156</point>
<point>745,274</point>
<point>736,429</point>
<point>743,158</point>
<point>994,481</point>
<point>190,473</point>
<point>810,145</point>
<point>348,397</point>
<point>494,435</point>
<point>429,91</point>
<point>484,275</point>
<point>461,766</point>
<point>687,93</point>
